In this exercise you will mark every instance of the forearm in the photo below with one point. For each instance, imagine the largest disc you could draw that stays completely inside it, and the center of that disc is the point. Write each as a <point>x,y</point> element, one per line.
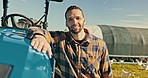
<point>33,31</point>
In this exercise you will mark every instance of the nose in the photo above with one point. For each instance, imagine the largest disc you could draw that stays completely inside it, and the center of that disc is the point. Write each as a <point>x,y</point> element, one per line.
<point>74,21</point>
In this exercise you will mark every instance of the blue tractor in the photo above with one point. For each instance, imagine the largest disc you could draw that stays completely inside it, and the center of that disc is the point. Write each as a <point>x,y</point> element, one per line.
<point>17,58</point>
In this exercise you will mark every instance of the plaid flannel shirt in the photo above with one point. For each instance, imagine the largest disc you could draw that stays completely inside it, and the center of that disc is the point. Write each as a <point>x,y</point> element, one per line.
<point>88,59</point>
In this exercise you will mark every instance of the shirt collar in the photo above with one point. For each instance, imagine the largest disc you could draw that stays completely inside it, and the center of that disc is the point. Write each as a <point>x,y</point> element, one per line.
<point>86,42</point>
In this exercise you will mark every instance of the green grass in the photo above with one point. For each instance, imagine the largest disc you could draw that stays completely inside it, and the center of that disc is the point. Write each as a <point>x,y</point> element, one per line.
<point>136,71</point>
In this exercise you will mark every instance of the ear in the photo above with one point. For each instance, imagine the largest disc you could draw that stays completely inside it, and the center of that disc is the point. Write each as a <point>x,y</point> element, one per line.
<point>84,21</point>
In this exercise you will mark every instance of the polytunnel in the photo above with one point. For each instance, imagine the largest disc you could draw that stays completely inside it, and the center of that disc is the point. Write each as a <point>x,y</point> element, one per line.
<point>123,41</point>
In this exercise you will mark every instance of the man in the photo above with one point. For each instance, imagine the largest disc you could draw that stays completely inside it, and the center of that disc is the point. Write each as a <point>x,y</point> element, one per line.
<point>78,54</point>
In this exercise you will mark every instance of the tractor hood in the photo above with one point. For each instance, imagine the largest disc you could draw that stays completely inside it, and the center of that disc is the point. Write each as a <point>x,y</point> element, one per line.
<point>19,59</point>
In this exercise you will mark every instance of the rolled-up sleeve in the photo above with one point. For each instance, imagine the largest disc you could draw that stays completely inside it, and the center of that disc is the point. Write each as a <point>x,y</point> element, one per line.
<point>32,31</point>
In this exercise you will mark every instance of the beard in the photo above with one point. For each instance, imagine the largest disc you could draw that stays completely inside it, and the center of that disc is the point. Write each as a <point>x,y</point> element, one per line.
<point>76,31</point>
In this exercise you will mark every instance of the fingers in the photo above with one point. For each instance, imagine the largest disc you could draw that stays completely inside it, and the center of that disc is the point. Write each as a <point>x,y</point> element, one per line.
<point>47,48</point>
<point>35,44</point>
<point>49,52</point>
<point>40,44</point>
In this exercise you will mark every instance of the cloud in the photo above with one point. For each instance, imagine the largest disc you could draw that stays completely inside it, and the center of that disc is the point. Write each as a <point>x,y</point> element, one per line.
<point>135,23</point>
<point>135,15</point>
<point>129,21</point>
<point>120,9</point>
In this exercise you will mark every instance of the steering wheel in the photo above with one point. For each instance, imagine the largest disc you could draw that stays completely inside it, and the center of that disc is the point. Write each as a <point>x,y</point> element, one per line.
<point>17,21</point>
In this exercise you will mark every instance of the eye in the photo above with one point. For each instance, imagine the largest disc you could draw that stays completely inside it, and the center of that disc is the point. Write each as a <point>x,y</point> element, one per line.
<point>78,18</point>
<point>69,19</point>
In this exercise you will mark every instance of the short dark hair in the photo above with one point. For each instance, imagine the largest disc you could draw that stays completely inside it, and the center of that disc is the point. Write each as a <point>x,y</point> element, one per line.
<point>73,7</point>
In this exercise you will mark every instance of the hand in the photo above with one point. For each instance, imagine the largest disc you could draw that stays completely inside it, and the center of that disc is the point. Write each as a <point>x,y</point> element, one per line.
<point>40,44</point>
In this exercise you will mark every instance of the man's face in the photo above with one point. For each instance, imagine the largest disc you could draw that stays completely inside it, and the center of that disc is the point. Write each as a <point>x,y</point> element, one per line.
<point>75,21</point>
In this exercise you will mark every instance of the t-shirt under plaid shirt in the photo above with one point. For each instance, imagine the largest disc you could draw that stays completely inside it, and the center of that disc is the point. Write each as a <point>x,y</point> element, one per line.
<point>87,58</point>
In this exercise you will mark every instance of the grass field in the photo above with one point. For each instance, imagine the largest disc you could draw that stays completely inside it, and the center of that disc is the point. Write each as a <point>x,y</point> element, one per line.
<point>135,70</point>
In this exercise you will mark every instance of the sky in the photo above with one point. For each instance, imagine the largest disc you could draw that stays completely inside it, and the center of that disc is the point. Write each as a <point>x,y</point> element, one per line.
<point>125,13</point>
